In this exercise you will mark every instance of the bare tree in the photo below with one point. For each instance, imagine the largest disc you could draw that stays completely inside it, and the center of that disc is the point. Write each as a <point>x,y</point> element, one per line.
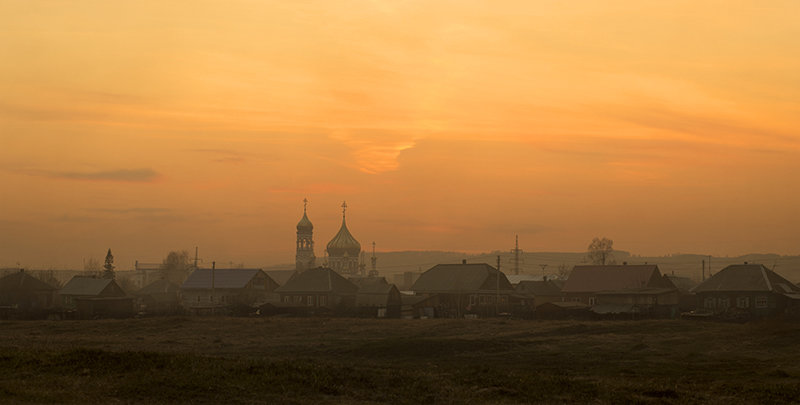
<point>176,267</point>
<point>563,271</point>
<point>92,267</point>
<point>601,251</point>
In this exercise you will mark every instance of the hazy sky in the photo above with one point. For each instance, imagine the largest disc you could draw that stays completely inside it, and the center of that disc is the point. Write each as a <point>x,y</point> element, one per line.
<point>150,126</point>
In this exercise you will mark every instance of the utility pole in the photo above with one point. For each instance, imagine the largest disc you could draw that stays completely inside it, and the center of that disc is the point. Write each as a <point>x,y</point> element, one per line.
<point>497,298</point>
<point>704,269</point>
<point>543,266</point>
<point>516,251</point>
<point>195,257</point>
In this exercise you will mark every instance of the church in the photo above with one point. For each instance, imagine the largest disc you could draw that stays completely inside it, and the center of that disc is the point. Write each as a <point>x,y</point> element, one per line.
<point>343,251</point>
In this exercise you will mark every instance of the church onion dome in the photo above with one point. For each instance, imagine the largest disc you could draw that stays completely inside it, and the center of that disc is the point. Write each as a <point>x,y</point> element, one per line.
<point>305,224</point>
<point>343,244</point>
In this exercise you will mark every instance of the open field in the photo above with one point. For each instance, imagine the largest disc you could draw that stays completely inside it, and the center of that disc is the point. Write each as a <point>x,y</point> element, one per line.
<point>281,360</point>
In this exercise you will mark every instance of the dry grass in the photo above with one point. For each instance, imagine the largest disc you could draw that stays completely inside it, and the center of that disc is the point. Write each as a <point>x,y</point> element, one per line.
<point>235,360</point>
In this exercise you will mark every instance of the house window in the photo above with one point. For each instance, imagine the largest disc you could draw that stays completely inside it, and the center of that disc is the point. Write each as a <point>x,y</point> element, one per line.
<point>592,300</point>
<point>482,299</point>
<point>323,300</point>
<point>211,298</point>
<point>743,302</point>
<point>708,303</point>
<point>473,300</point>
<point>310,301</point>
<point>287,299</point>
<point>761,302</point>
<point>298,299</point>
<point>723,303</point>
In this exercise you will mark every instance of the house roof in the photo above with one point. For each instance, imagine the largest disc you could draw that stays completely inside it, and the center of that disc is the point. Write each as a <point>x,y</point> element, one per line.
<point>280,276</point>
<point>517,278</point>
<point>538,288</point>
<point>614,278</point>
<point>320,279</point>
<point>459,278</point>
<point>747,277</point>
<point>21,281</point>
<point>372,285</point>
<point>683,283</point>
<point>84,285</point>
<point>157,287</point>
<point>222,278</point>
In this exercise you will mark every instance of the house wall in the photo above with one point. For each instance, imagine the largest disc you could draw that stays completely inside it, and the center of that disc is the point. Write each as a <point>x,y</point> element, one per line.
<point>754,303</point>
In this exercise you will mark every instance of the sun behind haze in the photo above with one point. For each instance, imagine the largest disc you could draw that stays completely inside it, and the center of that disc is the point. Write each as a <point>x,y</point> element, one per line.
<point>151,126</point>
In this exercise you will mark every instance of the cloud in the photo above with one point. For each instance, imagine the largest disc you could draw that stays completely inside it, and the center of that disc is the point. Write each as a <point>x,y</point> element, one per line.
<point>134,210</point>
<point>121,175</point>
<point>375,151</point>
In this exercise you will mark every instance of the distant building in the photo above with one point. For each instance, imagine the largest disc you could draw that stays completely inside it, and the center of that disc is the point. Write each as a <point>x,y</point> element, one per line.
<point>158,297</point>
<point>211,291</point>
<point>23,294</point>
<point>377,298</point>
<point>748,290</point>
<point>304,257</point>
<point>466,289</point>
<point>319,288</point>
<point>622,289</point>
<point>88,287</point>
<point>538,292</point>
<point>94,297</point>
<point>344,250</point>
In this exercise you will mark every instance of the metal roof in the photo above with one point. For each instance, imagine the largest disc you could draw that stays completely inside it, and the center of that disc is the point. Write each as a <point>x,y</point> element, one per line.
<point>320,279</point>
<point>747,277</point>
<point>343,243</point>
<point>222,278</point>
<point>22,281</point>
<point>538,288</point>
<point>460,278</point>
<point>614,277</point>
<point>84,285</point>
<point>157,287</point>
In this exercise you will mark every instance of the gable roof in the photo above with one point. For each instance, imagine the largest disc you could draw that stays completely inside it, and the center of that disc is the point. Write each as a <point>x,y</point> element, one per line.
<point>85,285</point>
<point>460,278</point>
<point>372,285</point>
<point>157,287</point>
<point>747,277</point>
<point>280,276</point>
<point>538,288</point>
<point>222,278</point>
<point>614,278</point>
<point>320,279</point>
<point>22,281</point>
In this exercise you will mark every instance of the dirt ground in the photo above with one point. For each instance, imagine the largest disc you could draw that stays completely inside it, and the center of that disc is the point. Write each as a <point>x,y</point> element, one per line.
<point>294,360</point>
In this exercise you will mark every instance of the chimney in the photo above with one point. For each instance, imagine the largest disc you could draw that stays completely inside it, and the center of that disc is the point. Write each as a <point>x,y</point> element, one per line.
<point>464,261</point>
<point>544,278</point>
<point>624,263</point>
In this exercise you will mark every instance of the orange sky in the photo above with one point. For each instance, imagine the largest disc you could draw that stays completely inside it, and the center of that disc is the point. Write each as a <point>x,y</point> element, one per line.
<point>152,126</point>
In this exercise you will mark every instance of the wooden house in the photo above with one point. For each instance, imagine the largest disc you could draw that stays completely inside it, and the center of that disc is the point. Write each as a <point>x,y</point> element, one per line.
<point>158,297</point>
<point>24,295</point>
<point>622,289</point>
<point>747,291</point>
<point>466,289</point>
<point>319,288</point>
<point>377,298</point>
<point>225,291</point>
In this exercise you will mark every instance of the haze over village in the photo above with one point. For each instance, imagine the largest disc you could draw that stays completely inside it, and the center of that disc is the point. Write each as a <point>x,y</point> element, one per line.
<point>411,202</point>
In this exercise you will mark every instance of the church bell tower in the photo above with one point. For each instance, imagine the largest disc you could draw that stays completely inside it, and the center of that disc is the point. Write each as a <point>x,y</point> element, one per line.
<point>304,259</point>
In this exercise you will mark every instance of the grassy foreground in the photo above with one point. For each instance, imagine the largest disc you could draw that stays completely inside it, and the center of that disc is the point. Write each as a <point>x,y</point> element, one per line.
<point>279,360</point>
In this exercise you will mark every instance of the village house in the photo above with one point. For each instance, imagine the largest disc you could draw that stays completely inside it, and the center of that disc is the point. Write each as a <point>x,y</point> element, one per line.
<point>538,292</point>
<point>24,295</point>
<point>377,298</point>
<point>92,297</point>
<point>622,289</point>
<point>748,290</point>
<point>158,297</point>
<point>223,291</point>
<point>466,289</point>
<point>319,288</point>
